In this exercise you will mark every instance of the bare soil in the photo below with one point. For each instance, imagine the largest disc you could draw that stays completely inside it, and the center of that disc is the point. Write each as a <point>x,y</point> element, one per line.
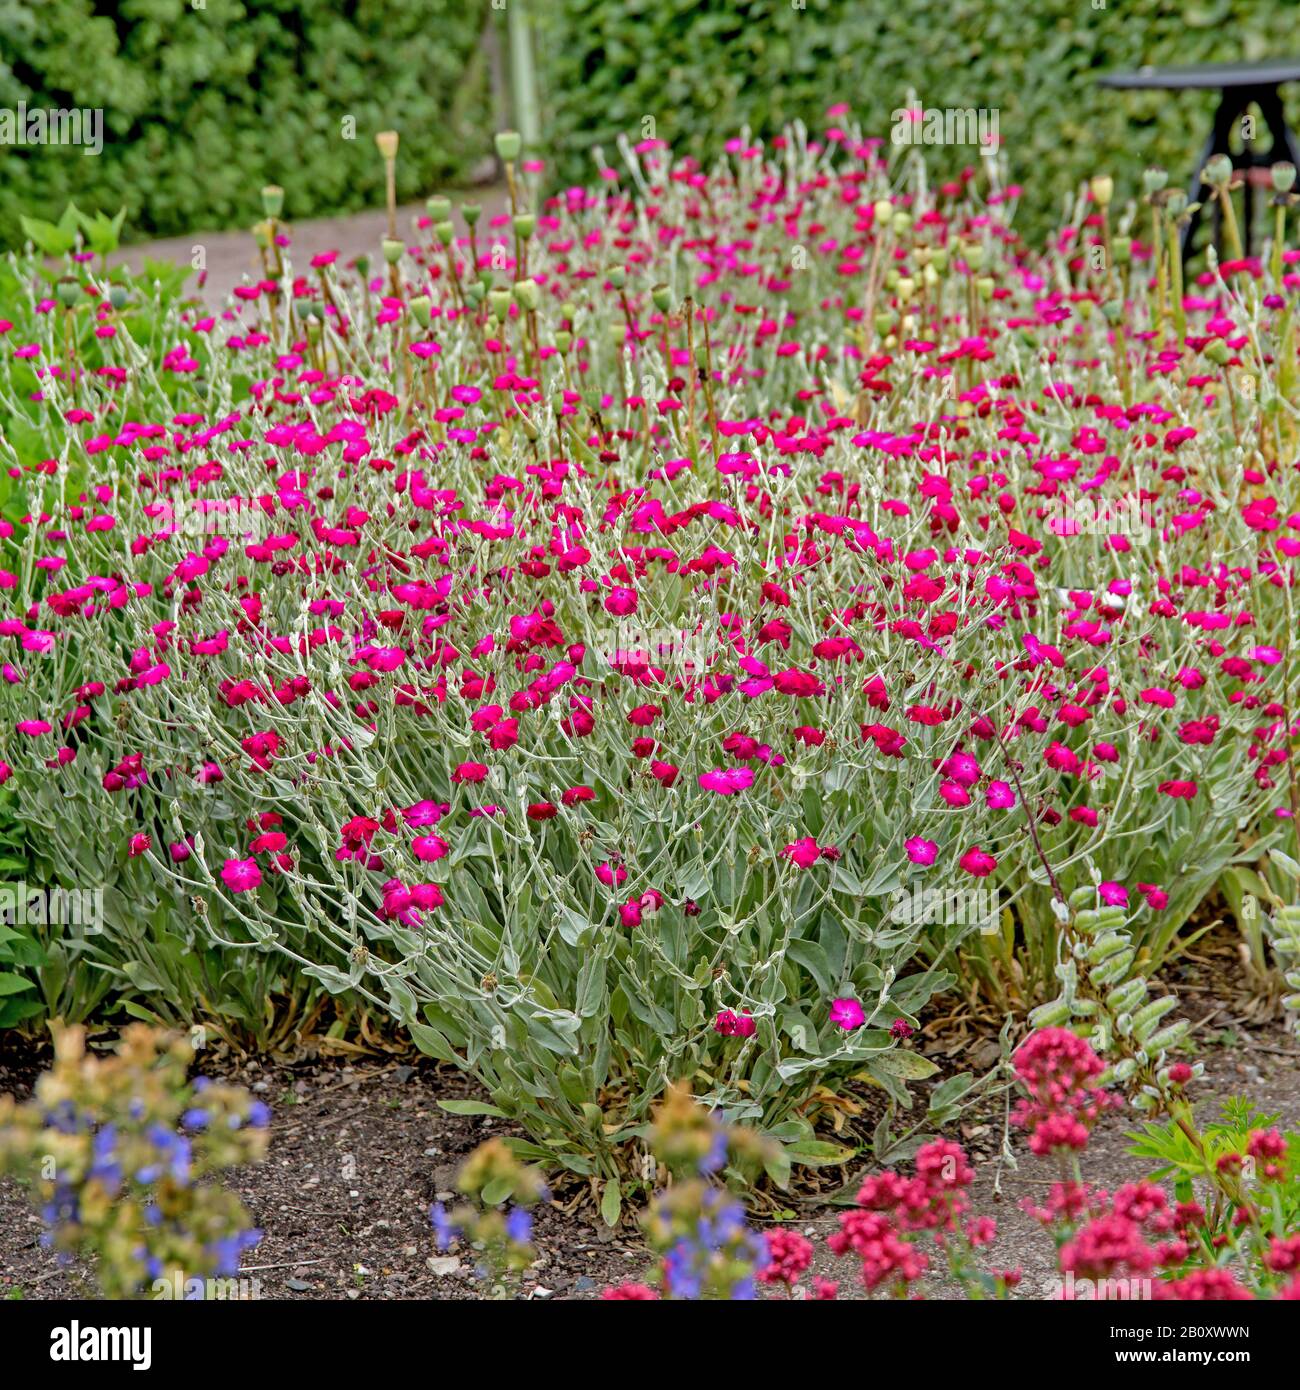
<point>360,1149</point>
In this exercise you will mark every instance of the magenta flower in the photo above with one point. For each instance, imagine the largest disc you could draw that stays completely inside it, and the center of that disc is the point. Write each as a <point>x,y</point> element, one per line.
<point>429,847</point>
<point>921,851</point>
<point>1113,894</point>
<point>978,862</point>
<point>803,853</point>
<point>241,875</point>
<point>728,783</point>
<point>1000,797</point>
<point>847,1014</point>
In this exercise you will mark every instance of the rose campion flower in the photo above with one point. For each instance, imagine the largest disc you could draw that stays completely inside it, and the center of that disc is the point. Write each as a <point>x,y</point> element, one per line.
<point>241,875</point>
<point>729,782</point>
<point>429,848</point>
<point>847,1014</point>
<point>921,851</point>
<point>978,862</point>
<point>1113,894</point>
<point>1000,796</point>
<point>803,853</point>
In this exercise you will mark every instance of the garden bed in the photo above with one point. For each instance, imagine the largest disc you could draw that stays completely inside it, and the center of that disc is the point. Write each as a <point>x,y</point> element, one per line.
<point>360,1149</point>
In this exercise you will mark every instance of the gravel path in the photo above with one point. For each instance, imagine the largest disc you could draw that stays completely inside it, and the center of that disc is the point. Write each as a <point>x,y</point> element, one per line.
<point>231,257</point>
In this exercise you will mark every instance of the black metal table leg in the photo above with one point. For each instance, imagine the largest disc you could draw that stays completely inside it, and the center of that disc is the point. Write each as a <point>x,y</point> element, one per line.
<point>1219,142</point>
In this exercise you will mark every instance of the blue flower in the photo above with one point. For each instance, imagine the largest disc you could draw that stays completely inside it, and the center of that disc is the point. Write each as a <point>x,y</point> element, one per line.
<point>519,1226</point>
<point>445,1231</point>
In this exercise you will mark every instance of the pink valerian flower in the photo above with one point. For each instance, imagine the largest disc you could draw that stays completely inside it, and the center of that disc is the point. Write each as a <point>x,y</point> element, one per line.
<point>241,875</point>
<point>1058,1070</point>
<point>789,1254</point>
<point>847,1014</point>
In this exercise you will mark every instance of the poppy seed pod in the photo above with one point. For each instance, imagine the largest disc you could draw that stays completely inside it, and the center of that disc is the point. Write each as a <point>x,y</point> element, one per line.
<point>386,141</point>
<point>68,292</point>
<point>524,225</point>
<point>421,308</point>
<point>1218,171</point>
<point>445,232</point>
<point>1103,189</point>
<point>528,295</point>
<point>273,200</point>
<point>499,303</point>
<point>618,277</point>
<point>438,208</point>
<point>118,296</point>
<point>1283,176</point>
<point>471,212</point>
<point>509,144</point>
<point>563,341</point>
<point>392,250</point>
<point>661,297</point>
<point>1154,179</point>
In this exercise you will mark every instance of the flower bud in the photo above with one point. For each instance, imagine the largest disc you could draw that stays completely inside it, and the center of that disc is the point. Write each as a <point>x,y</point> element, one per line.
<point>1218,172</point>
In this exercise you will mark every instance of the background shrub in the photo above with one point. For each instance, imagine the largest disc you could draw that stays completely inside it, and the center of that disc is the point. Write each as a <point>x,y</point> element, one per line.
<point>704,66</point>
<point>204,106</point>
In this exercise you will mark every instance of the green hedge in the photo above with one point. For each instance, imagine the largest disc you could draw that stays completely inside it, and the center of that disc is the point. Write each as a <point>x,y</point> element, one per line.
<point>204,101</point>
<point>701,68</point>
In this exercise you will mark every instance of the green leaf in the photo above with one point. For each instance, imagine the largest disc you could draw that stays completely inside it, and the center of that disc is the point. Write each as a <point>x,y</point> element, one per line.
<point>471,1107</point>
<point>432,1043</point>
<point>817,1153</point>
<point>611,1202</point>
<point>907,1066</point>
<point>14,984</point>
